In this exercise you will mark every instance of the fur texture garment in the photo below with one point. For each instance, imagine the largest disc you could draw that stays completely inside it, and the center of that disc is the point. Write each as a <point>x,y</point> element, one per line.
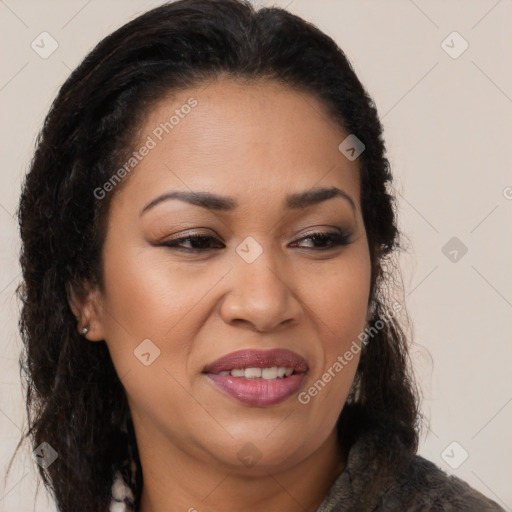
<point>380,477</point>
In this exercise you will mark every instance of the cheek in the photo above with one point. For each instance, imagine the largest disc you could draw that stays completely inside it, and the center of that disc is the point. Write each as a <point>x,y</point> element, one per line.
<point>338,294</point>
<point>148,295</point>
<point>147,298</point>
<point>339,301</point>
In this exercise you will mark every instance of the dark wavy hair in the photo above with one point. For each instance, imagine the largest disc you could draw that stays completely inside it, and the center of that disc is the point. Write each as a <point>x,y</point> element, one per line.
<point>75,400</point>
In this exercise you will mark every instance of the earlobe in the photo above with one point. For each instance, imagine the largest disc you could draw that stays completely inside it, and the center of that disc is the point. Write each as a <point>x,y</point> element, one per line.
<point>85,306</point>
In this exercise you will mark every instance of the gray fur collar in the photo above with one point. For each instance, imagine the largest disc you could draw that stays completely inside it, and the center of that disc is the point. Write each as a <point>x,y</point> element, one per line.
<point>377,478</point>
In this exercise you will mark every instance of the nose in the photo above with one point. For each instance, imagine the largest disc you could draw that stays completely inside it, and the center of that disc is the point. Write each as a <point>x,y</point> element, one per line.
<point>262,295</point>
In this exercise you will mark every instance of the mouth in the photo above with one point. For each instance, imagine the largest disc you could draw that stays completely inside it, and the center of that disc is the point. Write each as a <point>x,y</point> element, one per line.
<point>269,373</point>
<point>258,378</point>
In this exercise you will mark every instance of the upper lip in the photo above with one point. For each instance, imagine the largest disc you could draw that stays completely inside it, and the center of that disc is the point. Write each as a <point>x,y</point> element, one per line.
<point>258,359</point>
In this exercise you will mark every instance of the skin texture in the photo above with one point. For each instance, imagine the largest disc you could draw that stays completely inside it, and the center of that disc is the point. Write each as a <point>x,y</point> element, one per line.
<point>256,143</point>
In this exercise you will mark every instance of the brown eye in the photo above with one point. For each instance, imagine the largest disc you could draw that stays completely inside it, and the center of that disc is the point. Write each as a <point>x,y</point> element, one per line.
<point>331,238</point>
<point>198,243</point>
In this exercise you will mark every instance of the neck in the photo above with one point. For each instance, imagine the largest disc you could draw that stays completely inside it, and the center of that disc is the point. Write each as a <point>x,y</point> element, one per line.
<point>175,481</point>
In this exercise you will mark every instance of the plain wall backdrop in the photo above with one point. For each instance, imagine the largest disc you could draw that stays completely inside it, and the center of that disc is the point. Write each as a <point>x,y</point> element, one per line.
<point>439,72</point>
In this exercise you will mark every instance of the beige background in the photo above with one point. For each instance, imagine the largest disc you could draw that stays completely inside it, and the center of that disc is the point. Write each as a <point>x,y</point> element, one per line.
<point>448,130</point>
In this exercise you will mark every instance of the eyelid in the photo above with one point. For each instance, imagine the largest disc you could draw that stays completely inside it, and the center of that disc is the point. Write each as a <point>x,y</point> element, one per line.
<point>323,229</point>
<point>335,236</point>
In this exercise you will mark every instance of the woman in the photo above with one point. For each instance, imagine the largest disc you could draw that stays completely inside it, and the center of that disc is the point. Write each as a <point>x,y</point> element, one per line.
<point>208,237</point>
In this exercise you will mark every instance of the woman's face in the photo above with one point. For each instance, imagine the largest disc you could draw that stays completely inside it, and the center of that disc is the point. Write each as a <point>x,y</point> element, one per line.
<point>256,281</point>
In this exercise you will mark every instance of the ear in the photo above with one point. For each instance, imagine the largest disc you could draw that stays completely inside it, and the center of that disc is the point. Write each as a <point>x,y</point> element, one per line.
<point>85,303</point>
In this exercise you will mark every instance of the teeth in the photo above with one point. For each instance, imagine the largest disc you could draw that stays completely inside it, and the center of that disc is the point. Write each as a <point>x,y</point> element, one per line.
<point>252,373</point>
<point>271,373</point>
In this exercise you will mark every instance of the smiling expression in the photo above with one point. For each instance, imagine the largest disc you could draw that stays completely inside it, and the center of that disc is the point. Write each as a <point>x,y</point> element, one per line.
<point>280,260</point>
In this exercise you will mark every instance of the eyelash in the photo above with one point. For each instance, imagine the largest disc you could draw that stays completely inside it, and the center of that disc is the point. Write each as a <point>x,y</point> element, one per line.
<point>336,238</point>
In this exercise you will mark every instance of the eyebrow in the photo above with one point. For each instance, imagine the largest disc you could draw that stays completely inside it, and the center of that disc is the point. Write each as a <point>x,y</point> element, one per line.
<point>296,201</point>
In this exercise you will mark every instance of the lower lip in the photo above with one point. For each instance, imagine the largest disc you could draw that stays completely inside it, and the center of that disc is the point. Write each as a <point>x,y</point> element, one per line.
<point>258,392</point>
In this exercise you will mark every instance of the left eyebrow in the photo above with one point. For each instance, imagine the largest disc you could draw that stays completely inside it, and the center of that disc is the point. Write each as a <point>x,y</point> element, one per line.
<point>296,201</point>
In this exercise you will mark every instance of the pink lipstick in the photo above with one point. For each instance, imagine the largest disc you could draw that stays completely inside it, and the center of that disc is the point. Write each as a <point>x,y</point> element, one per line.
<point>258,378</point>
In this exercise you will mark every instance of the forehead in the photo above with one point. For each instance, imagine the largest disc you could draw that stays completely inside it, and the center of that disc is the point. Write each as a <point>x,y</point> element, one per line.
<point>261,140</point>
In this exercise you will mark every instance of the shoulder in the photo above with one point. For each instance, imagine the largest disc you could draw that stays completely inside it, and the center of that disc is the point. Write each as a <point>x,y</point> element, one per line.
<point>423,486</point>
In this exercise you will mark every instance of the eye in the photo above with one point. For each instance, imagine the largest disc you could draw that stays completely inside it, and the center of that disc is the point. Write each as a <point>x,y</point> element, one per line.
<point>322,240</point>
<point>197,242</point>
<point>332,238</point>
